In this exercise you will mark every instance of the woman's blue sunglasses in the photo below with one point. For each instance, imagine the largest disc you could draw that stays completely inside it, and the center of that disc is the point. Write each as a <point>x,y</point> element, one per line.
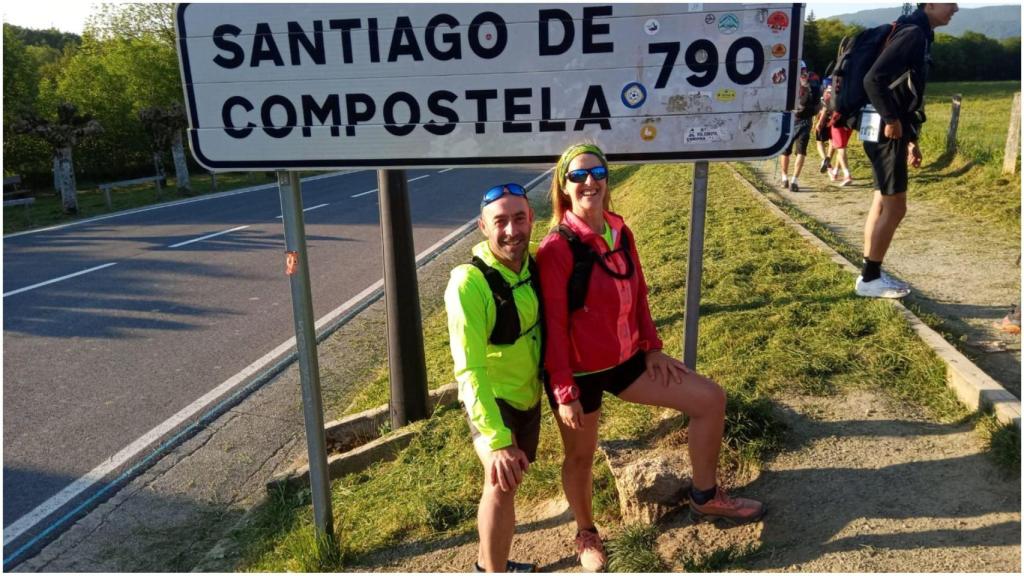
<point>500,190</point>
<point>579,176</point>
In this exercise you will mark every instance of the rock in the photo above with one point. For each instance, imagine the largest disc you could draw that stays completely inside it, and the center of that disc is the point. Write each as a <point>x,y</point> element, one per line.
<point>650,483</point>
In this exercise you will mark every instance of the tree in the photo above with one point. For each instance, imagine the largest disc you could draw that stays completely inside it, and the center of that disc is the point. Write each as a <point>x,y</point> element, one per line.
<point>62,135</point>
<point>165,125</point>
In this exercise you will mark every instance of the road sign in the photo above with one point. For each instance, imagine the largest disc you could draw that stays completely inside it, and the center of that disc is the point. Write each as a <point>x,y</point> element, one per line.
<point>287,86</point>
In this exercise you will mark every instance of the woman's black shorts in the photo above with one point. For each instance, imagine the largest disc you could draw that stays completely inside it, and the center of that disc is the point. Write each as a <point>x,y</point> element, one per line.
<point>593,386</point>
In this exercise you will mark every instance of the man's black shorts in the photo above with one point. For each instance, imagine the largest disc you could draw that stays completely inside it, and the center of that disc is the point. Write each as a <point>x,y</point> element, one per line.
<point>593,386</point>
<point>801,136</point>
<point>888,164</point>
<point>524,424</point>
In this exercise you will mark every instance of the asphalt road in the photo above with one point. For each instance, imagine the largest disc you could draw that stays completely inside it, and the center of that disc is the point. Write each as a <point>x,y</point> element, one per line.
<point>93,362</point>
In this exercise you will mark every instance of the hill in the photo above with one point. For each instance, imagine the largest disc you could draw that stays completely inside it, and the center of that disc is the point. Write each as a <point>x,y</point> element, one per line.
<point>997,22</point>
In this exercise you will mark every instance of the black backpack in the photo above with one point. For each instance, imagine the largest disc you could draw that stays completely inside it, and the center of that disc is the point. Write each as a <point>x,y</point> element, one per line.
<point>583,259</point>
<point>506,326</point>
<point>856,55</point>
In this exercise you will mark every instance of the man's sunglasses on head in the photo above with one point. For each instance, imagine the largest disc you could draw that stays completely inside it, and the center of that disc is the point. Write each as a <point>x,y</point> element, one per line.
<point>579,175</point>
<point>502,189</point>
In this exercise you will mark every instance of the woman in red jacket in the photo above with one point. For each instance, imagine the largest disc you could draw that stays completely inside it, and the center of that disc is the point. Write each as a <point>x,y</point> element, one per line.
<point>610,344</point>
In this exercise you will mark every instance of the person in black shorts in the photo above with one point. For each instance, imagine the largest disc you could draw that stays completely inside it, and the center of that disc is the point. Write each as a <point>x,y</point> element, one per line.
<point>895,86</point>
<point>807,106</point>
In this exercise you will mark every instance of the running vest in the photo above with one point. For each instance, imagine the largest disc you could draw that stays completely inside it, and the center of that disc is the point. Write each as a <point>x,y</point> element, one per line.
<point>506,326</point>
<point>583,259</point>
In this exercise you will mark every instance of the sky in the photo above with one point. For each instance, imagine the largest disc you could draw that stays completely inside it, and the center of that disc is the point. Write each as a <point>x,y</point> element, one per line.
<point>70,16</point>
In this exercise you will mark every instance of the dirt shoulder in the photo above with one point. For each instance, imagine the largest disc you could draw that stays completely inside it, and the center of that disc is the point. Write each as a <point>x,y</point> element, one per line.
<point>960,270</point>
<point>864,484</point>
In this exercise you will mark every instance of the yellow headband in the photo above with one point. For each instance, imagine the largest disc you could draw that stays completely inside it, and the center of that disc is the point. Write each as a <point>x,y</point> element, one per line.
<point>562,168</point>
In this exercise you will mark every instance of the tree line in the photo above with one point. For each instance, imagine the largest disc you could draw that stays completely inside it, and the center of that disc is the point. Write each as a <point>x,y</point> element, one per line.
<point>114,97</point>
<point>969,57</point>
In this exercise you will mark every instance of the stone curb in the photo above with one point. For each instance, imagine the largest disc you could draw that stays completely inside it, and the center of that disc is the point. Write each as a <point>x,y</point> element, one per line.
<point>364,425</point>
<point>977,390</point>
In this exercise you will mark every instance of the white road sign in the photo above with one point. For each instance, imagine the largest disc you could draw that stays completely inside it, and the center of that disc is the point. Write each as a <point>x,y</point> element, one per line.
<point>288,86</point>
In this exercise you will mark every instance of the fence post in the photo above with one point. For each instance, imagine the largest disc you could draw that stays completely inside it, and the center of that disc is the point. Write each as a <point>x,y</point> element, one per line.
<point>1012,138</point>
<point>954,121</point>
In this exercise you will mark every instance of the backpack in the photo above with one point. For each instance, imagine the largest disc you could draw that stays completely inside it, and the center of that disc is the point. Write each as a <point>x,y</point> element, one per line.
<point>583,259</point>
<point>506,326</point>
<point>856,55</point>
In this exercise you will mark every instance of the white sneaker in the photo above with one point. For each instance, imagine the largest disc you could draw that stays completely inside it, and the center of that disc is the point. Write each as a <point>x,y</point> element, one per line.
<point>785,183</point>
<point>879,288</point>
<point>894,282</point>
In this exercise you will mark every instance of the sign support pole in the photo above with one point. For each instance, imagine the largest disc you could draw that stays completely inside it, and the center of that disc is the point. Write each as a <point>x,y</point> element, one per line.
<point>297,268</point>
<point>406,362</point>
<point>695,263</point>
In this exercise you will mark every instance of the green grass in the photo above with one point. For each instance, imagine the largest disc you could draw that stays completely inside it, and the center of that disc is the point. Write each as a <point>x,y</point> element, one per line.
<point>969,183</point>
<point>1003,442</point>
<point>633,550</point>
<point>777,318</point>
<point>46,211</point>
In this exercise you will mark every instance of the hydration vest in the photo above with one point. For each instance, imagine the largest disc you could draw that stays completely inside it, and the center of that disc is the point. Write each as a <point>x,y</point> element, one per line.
<point>506,326</point>
<point>583,259</point>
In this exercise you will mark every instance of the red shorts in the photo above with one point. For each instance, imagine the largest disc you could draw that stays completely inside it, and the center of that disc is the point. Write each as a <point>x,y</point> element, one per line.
<point>840,137</point>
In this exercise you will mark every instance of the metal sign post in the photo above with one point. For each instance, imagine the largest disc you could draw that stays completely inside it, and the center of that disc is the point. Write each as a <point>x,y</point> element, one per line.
<point>695,263</point>
<point>297,269</point>
<point>406,362</point>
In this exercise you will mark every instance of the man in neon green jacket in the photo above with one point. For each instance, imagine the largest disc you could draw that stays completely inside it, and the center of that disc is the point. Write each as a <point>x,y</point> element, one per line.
<point>496,347</point>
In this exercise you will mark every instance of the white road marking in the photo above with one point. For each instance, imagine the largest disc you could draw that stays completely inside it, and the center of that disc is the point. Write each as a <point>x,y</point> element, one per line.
<point>445,170</point>
<point>374,190</point>
<point>18,527</point>
<point>207,237</point>
<point>308,209</point>
<point>172,203</point>
<point>55,280</point>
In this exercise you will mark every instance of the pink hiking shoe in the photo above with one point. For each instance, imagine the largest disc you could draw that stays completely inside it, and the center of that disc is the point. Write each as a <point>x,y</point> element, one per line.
<point>590,551</point>
<point>735,511</point>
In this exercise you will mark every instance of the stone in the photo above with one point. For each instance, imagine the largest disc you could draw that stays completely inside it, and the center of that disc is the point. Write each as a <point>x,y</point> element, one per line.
<point>650,483</point>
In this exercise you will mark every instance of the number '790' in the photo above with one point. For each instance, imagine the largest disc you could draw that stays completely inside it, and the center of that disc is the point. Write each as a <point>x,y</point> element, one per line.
<point>702,59</point>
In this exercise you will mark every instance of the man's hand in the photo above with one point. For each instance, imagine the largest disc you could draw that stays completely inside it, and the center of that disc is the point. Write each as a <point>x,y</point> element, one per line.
<point>893,131</point>
<point>507,468</point>
<point>571,415</point>
<point>914,155</point>
<point>665,368</point>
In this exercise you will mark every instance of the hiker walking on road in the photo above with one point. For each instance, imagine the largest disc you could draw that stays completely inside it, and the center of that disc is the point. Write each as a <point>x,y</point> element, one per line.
<point>895,85</point>
<point>494,325</point>
<point>600,338</point>
<point>807,105</point>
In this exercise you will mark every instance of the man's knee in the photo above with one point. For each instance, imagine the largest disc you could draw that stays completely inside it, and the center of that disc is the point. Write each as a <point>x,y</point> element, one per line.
<point>494,496</point>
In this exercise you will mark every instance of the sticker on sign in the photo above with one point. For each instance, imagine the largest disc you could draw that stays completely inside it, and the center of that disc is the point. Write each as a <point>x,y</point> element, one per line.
<point>289,86</point>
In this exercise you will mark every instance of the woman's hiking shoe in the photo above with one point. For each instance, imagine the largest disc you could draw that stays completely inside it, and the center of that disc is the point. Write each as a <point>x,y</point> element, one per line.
<point>510,567</point>
<point>825,165</point>
<point>735,511</point>
<point>846,181</point>
<point>590,551</point>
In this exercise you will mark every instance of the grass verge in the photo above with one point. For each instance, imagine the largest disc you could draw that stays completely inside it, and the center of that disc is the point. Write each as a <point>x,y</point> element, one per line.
<point>777,318</point>
<point>46,211</point>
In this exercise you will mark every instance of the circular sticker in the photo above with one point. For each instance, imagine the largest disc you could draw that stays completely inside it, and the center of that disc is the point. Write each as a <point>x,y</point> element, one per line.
<point>728,23</point>
<point>779,50</point>
<point>725,95</point>
<point>648,132</point>
<point>634,95</point>
<point>778,21</point>
<point>779,76</point>
<point>651,27</point>
<point>701,56</point>
<point>709,19</point>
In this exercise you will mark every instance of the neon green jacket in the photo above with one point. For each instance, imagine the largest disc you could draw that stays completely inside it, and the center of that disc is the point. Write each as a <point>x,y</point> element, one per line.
<point>485,371</point>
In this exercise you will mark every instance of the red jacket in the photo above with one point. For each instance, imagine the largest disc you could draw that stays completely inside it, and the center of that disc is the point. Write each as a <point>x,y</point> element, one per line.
<point>615,321</point>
